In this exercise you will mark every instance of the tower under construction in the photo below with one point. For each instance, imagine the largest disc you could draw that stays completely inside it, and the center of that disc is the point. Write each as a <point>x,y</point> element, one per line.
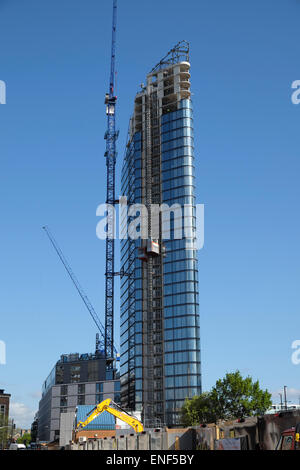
<point>160,345</point>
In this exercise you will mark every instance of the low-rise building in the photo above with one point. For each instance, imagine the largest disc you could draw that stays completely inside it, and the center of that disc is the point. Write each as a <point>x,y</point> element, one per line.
<point>4,403</point>
<point>4,415</point>
<point>277,408</point>
<point>76,379</point>
<point>34,428</point>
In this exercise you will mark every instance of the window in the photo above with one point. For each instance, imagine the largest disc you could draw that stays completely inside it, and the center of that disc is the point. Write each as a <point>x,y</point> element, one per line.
<point>99,388</point>
<point>63,401</point>
<point>169,382</point>
<point>64,390</point>
<point>158,408</point>
<point>138,361</point>
<point>81,389</point>
<point>109,375</point>
<point>138,385</point>
<point>75,374</point>
<point>81,399</point>
<point>92,371</point>
<point>99,397</point>
<point>169,394</point>
<point>117,398</point>
<point>59,374</point>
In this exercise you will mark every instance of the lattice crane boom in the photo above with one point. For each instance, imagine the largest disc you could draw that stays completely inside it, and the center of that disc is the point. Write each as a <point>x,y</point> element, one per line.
<point>80,290</point>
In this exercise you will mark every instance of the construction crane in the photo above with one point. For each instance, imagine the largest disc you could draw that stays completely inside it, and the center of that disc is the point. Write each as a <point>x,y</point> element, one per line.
<point>100,341</point>
<point>111,136</point>
<point>114,409</point>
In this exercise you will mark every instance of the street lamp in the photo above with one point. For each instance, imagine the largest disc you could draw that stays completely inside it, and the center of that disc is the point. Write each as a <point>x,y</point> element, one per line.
<point>285,400</point>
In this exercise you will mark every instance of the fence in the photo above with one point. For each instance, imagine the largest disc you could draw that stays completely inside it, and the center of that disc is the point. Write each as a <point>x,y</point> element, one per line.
<point>181,439</point>
<point>253,434</point>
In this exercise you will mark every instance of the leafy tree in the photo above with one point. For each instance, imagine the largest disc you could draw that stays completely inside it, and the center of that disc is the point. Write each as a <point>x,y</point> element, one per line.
<point>198,410</point>
<point>3,430</point>
<point>232,397</point>
<point>25,439</point>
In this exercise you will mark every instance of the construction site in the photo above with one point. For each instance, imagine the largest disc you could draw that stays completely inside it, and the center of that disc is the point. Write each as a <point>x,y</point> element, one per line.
<point>139,385</point>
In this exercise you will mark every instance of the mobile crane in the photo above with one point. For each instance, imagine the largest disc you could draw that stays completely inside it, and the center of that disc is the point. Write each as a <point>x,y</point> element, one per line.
<point>114,409</point>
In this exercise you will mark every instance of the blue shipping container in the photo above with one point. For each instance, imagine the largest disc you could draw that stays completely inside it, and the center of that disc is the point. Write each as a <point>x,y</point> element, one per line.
<point>104,421</point>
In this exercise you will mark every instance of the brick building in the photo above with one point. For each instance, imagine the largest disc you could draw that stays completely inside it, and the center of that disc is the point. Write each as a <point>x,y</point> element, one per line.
<point>4,414</point>
<point>4,403</point>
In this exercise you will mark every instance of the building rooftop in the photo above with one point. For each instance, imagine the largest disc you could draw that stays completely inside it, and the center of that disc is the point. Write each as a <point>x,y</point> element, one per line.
<point>75,357</point>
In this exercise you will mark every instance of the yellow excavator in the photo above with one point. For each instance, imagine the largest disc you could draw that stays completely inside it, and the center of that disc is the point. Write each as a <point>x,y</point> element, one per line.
<point>114,409</point>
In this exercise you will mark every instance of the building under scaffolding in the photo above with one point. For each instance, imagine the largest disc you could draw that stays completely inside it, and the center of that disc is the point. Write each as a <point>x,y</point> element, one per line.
<point>160,345</point>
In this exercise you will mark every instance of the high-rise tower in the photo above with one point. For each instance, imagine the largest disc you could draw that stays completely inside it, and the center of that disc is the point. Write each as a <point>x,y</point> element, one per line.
<point>160,345</point>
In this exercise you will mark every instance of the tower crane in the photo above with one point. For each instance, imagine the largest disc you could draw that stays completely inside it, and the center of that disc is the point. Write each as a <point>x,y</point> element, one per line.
<point>111,136</point>
<point>89,306</point>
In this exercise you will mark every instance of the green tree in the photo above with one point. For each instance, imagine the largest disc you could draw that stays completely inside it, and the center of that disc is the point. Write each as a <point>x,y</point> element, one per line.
<point>3,430</point>
<point>198,410</point>
<point>232,397</point>
<point>25,439</point>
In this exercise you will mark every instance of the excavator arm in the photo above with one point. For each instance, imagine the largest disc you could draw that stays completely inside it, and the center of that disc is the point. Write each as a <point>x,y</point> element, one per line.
<point>114,410</point>
<point>133,422</point>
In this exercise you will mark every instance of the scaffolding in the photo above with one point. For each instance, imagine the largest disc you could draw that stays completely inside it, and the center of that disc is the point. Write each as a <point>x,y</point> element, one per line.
<point>179,53</point>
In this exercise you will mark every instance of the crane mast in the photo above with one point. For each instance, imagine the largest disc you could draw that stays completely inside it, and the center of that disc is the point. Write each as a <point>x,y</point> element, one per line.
<point>111,136</point>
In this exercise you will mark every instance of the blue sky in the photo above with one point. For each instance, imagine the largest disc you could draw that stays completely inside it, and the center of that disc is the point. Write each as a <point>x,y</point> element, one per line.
<point>55,58</point>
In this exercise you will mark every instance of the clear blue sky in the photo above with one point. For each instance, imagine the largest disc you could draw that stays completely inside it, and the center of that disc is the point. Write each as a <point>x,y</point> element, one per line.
<point>55,58</point>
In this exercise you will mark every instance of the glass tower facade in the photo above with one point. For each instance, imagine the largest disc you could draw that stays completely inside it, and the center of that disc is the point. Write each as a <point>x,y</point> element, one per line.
<point>160,332</point>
